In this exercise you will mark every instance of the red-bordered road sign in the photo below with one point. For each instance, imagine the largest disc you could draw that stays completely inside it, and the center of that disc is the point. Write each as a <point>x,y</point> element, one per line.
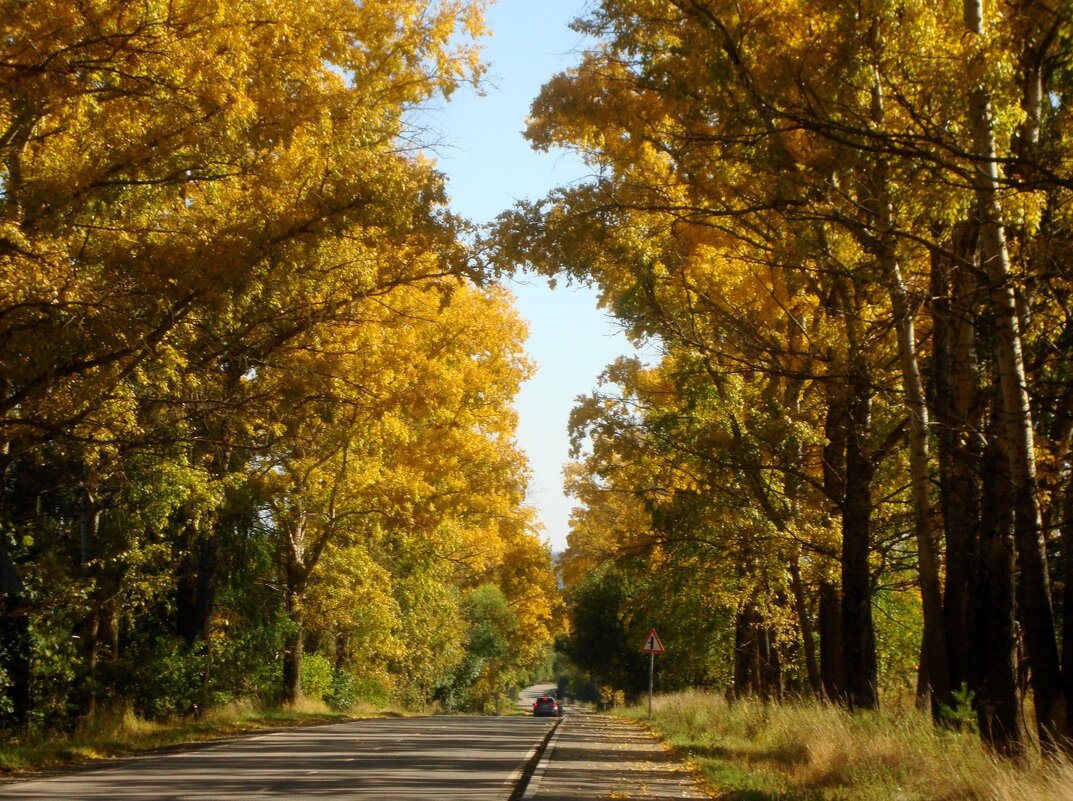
<point>652,644</point>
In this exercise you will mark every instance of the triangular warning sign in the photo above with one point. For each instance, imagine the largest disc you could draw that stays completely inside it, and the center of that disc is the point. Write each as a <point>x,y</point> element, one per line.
<point>652,644</point>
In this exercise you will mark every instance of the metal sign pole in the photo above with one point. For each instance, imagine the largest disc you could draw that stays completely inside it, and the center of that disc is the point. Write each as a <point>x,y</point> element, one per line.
<point>651,672</point>
<point>651,647</point>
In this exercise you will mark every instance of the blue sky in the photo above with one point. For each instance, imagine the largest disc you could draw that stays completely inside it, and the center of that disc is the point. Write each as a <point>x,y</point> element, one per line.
<point>489,166</point>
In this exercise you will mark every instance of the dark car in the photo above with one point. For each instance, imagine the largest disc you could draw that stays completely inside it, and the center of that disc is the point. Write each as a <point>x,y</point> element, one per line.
<point>546,705</point>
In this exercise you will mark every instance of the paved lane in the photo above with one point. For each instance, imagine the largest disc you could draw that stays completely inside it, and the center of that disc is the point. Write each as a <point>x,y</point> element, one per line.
<point>473,758</point>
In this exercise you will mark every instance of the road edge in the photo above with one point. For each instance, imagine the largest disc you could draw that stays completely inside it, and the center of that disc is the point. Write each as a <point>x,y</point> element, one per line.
<point>530,784</point>
<point>523,775</point>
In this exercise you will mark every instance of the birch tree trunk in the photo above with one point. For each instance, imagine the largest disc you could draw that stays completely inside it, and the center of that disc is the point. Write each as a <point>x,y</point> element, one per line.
<point>832,664</point>
<point>938,674</point>
<point>928,567</point>
<point>805,622</point>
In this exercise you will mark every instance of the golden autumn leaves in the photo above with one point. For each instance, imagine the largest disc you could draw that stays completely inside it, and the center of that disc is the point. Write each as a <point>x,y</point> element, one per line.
<point>236,318</point>
<point>848,225</point>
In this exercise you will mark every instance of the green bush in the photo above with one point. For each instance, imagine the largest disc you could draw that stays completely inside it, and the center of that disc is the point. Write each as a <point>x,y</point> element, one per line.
<point>317,676</point>
<point>246,663</point>
<point>344,691</point>
<point>348,692</point>
<point>165,680</point>
<point>6,705</point>
<point>372,692</point>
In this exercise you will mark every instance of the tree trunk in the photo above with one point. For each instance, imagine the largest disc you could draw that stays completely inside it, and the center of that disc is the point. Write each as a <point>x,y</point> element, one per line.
<point>296,577</point>
<point>1067,598</point>
<point>993,673</point>
<point>195,595</point>
<point>772,687</point>
<point>957,403</point>
<point>746,654</point>
<point>292,666</point>
<point>923,691</point>
<point>16,647</point>
<point>804,621</point>
<point>89,686</point>
<point>858,634</point>
<point>1036,612</point>
<point>831,664</point>
<point>292,646</point>
<point>834,449</point>
<point>89,628</point>
<point>928,567</point>
<point>757,666</point>
<point>200,563</point>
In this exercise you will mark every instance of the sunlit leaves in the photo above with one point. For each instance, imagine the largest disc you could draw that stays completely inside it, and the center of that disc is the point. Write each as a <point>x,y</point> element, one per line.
<point>774,185</point>
<point>240,349</point>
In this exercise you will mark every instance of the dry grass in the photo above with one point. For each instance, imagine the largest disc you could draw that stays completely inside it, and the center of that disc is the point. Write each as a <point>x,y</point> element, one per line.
<point>749,751</point>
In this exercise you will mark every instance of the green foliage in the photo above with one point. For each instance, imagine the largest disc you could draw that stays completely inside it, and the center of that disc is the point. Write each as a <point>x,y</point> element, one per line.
<point>485,673</point>
<point>348,692</point>
<point>962,714</point>
<point>345,692</point>
<point>612,610</point>
<point>600,641</point>
<point>7,706</point>
<point>254,392</point>
<point>165,679</point>
<point>898,632</point>
<point>434,629</point>
<point>318,677</point>
<point>244,663</point>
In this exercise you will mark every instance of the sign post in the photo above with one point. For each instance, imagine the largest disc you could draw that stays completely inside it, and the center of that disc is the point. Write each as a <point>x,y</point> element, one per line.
<point>652,647</point>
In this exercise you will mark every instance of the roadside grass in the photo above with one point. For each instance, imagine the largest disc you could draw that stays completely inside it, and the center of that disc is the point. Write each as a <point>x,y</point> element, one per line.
<point>117,732</point>
<point>805,751</point>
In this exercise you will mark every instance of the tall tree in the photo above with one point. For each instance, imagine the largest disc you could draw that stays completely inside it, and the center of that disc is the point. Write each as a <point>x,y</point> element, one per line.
<point>763,168</point>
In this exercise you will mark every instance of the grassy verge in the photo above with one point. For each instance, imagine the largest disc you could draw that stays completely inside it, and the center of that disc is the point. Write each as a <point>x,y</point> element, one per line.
<point>116,734</point>
<point>748,751</point>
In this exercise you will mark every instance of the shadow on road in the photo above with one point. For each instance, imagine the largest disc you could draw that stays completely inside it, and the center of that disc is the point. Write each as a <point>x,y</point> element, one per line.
<point>392,759</point>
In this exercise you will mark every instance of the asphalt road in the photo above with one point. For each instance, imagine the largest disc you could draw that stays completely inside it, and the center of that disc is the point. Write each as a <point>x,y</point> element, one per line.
<point>473,758</point>
<point>527,696</point>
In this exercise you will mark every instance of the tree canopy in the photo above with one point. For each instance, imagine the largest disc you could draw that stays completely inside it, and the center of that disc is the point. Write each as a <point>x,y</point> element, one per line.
<point>845,226</point>
<point>255,395</point>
